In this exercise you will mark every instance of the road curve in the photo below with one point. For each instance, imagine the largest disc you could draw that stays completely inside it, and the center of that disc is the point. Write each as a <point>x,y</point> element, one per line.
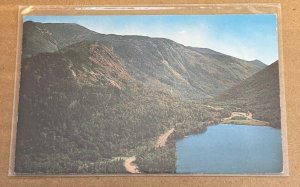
<point>130,166</point>
<point>162,140</point>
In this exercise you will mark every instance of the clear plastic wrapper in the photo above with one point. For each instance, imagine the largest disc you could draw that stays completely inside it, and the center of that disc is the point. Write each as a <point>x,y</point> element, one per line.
<point>149,90</point>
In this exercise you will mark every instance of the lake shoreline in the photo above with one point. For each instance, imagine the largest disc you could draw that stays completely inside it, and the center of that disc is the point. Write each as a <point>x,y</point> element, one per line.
<point>252,122</point>
<point>219,156</point>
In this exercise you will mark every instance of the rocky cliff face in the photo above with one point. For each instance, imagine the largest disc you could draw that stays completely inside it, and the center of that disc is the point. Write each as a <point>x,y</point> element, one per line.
<point>187,72</point>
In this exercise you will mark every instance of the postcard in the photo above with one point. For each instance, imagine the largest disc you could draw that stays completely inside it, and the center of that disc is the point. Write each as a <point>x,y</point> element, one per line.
<point>149,94</point>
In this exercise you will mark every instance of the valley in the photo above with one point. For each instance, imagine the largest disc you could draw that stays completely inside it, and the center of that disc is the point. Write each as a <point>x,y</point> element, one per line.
<point>92,103</point>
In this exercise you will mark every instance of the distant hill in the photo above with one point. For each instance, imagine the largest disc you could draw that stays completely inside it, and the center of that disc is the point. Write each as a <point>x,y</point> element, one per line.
<point>260,94</point>
<point>182,71</point>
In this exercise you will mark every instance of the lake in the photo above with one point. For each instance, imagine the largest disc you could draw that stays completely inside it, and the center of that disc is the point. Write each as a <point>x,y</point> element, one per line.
<point>231,149</point>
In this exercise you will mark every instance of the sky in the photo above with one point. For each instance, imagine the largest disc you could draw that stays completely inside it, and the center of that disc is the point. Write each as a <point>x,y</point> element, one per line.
<point>247,36</point>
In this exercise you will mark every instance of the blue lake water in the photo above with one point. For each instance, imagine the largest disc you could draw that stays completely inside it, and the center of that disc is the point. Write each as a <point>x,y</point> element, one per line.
<point>231,149</point>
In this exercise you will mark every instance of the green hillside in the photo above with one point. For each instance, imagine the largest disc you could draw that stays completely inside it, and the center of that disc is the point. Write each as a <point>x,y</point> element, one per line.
<point>79,110</point>
<point>258,94</point>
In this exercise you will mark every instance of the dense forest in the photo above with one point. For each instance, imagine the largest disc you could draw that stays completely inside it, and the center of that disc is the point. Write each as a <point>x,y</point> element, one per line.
<point>77,125</point>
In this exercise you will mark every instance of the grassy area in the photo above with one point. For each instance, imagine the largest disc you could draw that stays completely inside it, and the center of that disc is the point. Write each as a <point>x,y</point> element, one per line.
<point>239,118</point>
<point>246,122</point>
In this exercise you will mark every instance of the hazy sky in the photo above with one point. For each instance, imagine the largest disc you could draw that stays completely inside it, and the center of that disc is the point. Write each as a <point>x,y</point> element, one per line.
<point>249,37</point>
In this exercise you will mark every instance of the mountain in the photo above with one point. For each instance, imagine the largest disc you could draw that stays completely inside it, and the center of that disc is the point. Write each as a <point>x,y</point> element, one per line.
<point>88,100</point>
<point>48,37</point>
<point>259,94</point>
<point>79,109</point>
<point>178,70</point>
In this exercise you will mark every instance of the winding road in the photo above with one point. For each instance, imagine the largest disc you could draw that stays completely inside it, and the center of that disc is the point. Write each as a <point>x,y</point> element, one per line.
<point>162,140</point>
<point>130,166</point>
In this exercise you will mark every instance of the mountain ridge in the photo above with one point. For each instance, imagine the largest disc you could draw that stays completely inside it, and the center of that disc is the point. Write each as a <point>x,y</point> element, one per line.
<point>183,71</point>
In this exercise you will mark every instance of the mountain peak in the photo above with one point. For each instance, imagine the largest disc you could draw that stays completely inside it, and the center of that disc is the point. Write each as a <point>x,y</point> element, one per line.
<point>256,61</point>
<point>189,72</point>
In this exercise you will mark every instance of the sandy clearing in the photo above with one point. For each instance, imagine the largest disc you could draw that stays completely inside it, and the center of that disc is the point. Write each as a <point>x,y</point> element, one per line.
<point>248,121</point>
<point>242,114</point>
<point>162,140</point>
<point>130,166</point>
